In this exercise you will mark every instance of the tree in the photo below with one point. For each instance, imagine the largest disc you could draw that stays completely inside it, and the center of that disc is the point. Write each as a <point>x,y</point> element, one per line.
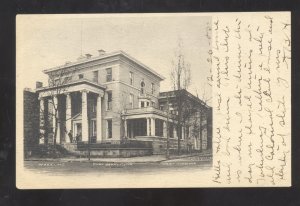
<point>202,114</point>
<point>122,106</point>
<point>181,80</point>
<point>58,83</point>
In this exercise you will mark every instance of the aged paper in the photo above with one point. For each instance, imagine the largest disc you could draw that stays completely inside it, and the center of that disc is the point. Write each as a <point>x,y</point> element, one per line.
<point>252,99</point>
<point>243,63</point>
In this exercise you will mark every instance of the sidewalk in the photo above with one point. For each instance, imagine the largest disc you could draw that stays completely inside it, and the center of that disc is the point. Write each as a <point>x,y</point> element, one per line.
<point>143,159</point>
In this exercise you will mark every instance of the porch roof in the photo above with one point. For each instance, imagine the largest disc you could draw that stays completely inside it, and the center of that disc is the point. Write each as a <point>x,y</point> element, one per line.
<point>78,85</point>
<point>145,111</point>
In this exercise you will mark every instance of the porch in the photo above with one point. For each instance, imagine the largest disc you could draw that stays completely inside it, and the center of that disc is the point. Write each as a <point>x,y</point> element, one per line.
<point>70,109</point>
<point>149,122</point>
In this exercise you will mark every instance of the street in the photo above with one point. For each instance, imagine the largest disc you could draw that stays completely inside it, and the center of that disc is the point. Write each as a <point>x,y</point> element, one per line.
<point>151,165</point>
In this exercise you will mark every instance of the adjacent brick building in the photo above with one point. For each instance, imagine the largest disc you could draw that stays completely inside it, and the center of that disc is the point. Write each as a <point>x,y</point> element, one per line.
<point>31,118</point>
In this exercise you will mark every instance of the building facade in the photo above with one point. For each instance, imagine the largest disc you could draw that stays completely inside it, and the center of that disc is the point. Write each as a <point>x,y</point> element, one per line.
<point>107,99</point>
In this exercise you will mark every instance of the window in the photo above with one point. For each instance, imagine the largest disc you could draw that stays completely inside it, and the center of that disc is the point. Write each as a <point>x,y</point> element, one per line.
<point>108,75</point>
<point>80,76</point>
<point>187,129</point>
<point>66,80</point>
<point>56,82</point>
<point>147,104</point>
<point>152,103</point>
<point>131,78</point>
<point>140,127</point>
<point>180,132</point>
<point>94,106</point>
<point>159,127</point>
<point>152,88</point>
<point>142,104</point>
<point>109,100</point>
<point>109,128</point>
<point>131,100</point>
<point>95,76</point>
<point>94,128</point>
<point>142,87</point>
<point>171,130</point>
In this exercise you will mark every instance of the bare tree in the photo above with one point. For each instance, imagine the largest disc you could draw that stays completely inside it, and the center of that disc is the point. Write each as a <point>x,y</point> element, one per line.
<point>58,84</point>
<point>121,111</point>
<point>181,80</point>
<point>200,120</point>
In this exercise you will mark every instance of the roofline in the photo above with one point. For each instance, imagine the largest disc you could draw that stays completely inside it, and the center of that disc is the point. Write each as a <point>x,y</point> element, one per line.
<point>120,52</point>
<point>141,64</point>
<point>188,93</point>
<point>72,83</point>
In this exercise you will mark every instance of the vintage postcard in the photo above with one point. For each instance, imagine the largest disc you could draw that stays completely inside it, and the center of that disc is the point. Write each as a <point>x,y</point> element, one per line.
<point>153,100</point>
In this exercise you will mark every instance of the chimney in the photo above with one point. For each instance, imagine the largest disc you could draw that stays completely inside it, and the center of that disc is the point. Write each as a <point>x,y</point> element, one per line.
<point>101,52</point>
<point>88,56</point>
<point>38,85</point>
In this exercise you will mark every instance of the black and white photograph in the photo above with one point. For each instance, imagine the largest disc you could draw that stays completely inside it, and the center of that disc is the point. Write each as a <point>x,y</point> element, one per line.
<point>116,94</point>
<point>153,100</point>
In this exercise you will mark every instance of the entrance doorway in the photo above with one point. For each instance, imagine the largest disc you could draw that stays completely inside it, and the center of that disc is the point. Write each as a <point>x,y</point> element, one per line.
<point>78,131</point>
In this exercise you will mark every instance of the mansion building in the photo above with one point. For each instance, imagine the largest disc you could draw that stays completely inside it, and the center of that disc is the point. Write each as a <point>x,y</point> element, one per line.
<point>113,98</point>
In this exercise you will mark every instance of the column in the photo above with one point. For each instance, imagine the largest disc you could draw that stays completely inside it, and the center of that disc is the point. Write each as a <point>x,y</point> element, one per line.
<point>131,130</point>
<point>165,129</point>
<point>152,127</point>
<point>125,128</point>
<point>182,132</point>
<point>175,131</point>
<point>68,116</point>
<point>84,118</point>
<point>42,121</point>
<point>99,118</point>
<point>55,116</point>
<point>148,126</point>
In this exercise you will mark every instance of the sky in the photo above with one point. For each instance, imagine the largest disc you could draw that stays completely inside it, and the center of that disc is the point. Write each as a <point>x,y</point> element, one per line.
<point>45,41</point>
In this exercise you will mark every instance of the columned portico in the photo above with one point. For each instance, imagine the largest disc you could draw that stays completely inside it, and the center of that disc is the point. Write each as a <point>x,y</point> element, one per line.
<point>84,116</point>
<point>73,119</point>
<point>147,122</point>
